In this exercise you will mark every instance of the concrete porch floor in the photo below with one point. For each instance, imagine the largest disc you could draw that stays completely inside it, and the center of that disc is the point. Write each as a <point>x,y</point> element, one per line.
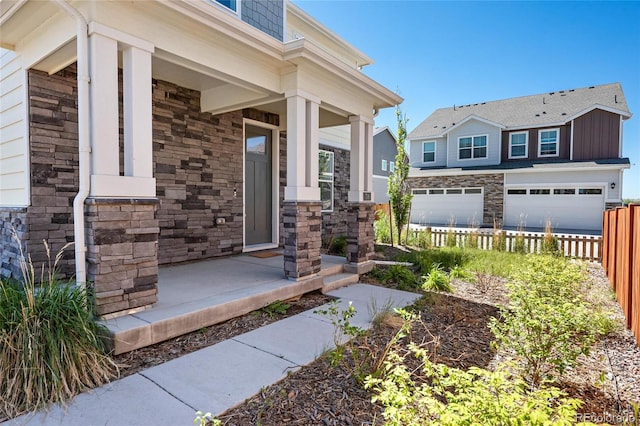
<point>200,294</point>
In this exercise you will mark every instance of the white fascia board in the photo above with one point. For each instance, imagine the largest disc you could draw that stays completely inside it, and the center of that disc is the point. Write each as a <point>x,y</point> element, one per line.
<point>363,60</point>
<point>473,117</point>
<point>620,112</point>
<point>534,169</point>
<point>301,50</point>
<point>536,126</point>
<point>334,144</point>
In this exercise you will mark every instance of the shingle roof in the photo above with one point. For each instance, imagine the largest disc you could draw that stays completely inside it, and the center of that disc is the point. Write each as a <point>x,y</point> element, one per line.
<point>539,110</point>
<point>513,165</point>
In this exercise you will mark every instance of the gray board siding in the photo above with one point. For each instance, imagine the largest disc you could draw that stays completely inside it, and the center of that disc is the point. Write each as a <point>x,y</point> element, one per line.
<point>384,148</point>
<point>265,15</point>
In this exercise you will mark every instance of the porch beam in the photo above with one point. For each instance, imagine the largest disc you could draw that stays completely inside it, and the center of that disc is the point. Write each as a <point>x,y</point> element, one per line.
<point>361,179</point>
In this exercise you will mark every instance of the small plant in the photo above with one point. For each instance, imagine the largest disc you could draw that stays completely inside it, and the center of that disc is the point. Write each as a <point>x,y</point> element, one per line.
<point>550,243</point>
<point>338,246</point>
<point>402,276</point>
<point>382,229</point>
<point>450,396</point>
<point>458,272</point>
<point>519,245</point>
<point>437,280</point>
<point>206,419</point>
<point>548,322</point>
<point>276,308</point>
<point>485,281</point>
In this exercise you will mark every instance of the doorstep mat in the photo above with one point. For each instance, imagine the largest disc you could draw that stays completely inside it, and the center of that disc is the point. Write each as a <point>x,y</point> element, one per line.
<point>265,254</point>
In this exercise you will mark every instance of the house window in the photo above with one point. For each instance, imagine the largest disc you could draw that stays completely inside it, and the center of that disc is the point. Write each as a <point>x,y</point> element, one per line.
<point>590,191</point>
<point>564,191</point>
<point>454,191</point>
<point>229,4</point>
<point>325,179</point>
<point>517,191</point>
<point>384,165</point>
<point>548,143</point>
<point>428,152</point>
<point>419,192</point>
<point>392,166</point>
<point>539,192</point>
<point>518,144</point>
<point>472,147</point>
<point>436,191</point>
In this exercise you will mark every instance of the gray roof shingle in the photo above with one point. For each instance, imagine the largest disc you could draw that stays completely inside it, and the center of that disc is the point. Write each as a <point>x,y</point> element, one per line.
<point>539,110</point>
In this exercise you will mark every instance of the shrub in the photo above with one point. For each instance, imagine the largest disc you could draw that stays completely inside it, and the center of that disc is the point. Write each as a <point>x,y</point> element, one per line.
<point>437,280</point>
<point>499,241</point>
<point>381,228</point>
<point>276,308</point>
<point>519,245</point>
<point>449,396</point>
<point>460,273</point>
<point>548,322</point>
<point>51,348</point>
<point>338,246</point>
<point>550,243</point>
<point>402,276</point>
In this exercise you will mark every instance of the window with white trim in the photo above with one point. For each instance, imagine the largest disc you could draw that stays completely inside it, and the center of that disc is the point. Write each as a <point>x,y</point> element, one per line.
<point>229,4</point>
<point>384,165</point>
<point>428,152</point>
<point>470,147</point>
<point>518,143</point>
<point>548,142</point>
<point>325,179</point>
<point>392,166</point>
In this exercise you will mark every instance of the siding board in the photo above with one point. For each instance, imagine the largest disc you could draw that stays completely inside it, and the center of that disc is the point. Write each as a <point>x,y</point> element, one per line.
<point>596,135</point>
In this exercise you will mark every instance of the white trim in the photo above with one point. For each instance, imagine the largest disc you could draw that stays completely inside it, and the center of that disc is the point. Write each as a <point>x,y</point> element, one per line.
<point>620,140</point>
<point>120,37</point>
<point>526,145</point>
<point>472,147</point>
<point>333,180</point>
<point>27,139</point>
<point>571,141</point>
<point>333,144</point>
<point>602,107</point>
<point>236,12</point>
<point>435,148</point>
<point>537,168</point>
<point>275,185</point>
<point>557,154</point>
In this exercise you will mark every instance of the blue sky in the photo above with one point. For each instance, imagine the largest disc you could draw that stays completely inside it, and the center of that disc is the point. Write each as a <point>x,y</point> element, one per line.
<point>437,54</point>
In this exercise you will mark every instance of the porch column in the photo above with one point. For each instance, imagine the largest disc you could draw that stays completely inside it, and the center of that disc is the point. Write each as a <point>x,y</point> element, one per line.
<point>360,207</point>
<point>302,206</point>
<point>121,225</point>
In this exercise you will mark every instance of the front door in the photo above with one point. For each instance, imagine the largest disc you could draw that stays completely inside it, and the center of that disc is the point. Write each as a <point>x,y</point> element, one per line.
<point>258,190</point>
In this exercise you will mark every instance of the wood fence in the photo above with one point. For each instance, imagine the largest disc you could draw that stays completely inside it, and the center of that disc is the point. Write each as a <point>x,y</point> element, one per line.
<point>621,260</point>
<point>585,247</point>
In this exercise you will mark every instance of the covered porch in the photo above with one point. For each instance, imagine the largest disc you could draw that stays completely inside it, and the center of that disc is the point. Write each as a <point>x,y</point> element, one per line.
<point>204,293</point>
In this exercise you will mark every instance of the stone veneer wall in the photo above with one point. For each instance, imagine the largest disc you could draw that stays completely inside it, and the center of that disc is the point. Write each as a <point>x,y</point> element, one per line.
<point>53,139</point>
<point>122,252</point>
<point>12,221</point>
<point>334,223</point>
<point>360,237</point>
<point>302,242</point>
<point>493,185</point>
<point>198,161</point>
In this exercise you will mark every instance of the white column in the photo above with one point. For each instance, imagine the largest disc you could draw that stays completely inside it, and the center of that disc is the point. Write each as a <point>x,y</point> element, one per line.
<point>361,178</point>
<point>138,133</point>
<point>103,66</point>
<point>302,147</point>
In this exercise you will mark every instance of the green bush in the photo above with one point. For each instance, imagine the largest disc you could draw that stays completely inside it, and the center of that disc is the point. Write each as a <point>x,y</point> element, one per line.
<point>499,241</point>
<point>548,322</point>
<point>447,258</point>
<point>449,396</point>
<point>381,228</point>
<point>437,280</point>
<point>338,246</point>
<point>50,344</point>
<point>402,276</point>
<point>519,245</point>
<point>420,238</point>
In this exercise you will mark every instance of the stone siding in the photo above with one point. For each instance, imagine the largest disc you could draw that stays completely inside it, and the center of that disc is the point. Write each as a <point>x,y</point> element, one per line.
<point>493,191</point>
<point>122,253</point>
<point>302,228</point>
<point>360,237</point>
<point>334,224</point>
<point>53,141</point>
<point>13,223</point>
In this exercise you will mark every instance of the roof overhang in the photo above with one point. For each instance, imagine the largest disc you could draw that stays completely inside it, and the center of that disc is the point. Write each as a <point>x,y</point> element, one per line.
<point>624,114</point>
<point>464,121</point>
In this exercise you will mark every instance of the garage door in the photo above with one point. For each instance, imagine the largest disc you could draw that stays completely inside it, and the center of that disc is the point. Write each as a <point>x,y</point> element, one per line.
<point>451,206</point>
<point>565,206</point>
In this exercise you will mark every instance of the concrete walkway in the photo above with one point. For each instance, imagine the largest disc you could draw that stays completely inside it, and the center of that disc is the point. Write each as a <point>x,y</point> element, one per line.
<point>221,376</point>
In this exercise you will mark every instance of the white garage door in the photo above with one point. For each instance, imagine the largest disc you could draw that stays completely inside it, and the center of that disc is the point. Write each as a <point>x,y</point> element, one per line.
<point>452,206</point>
<point>566,207</point>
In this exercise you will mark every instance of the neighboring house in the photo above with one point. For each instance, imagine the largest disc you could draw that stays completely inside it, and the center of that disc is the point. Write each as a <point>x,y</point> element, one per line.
<point>550,158</point>
<point>160,132</point>
<point>384,161</point>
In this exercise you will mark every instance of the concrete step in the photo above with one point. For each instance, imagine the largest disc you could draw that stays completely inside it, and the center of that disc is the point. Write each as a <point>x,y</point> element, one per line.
<point>331,269</point>
<point>339,280</point>
<point>158,324</point>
